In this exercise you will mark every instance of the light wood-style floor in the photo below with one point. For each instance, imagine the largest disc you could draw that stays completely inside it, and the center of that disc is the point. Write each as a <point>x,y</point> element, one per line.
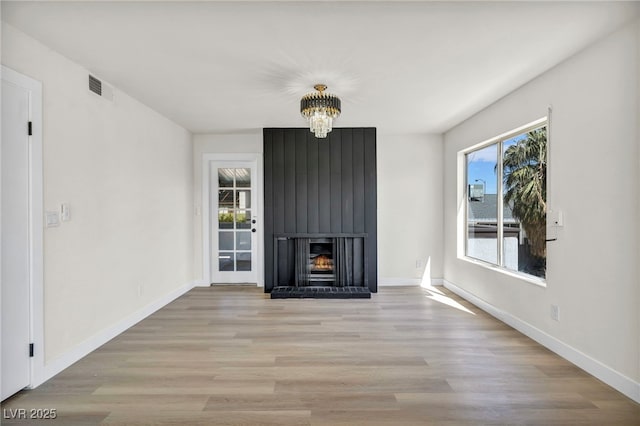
<point>231,356</point>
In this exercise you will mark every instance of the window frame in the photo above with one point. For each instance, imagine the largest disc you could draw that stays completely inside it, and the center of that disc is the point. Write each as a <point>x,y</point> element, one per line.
<point>499,141</point>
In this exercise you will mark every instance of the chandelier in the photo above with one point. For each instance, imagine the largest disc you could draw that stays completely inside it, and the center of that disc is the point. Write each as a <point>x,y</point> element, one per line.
<point>320,108</point>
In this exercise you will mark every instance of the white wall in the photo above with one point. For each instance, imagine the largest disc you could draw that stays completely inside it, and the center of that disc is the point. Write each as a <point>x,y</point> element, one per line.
<point>410,215</point>
<point>125,171</point>
<point>592,273</point>
<point>409,200</point>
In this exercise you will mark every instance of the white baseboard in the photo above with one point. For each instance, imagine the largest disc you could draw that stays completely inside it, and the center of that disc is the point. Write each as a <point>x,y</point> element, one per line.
<point>397,282</point>
<point>201,283</point>
<point>54,367</point>
<point>613,378</point>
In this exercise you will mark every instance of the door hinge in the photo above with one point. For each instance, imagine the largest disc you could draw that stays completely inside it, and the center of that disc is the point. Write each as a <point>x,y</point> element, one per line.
<point>30,126</point>
<point>30,350</point>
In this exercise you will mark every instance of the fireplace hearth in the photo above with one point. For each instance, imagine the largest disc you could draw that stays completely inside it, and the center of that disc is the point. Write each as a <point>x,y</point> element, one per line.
<point>321,293</point>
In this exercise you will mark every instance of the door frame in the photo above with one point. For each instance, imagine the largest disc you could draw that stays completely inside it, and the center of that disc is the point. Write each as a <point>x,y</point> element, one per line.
<point>256,159</point>
<point>36,225</point>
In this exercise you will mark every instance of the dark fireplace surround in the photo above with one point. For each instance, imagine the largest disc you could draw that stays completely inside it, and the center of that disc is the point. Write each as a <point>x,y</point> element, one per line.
<point>320,210</point>
<point>333,260</point>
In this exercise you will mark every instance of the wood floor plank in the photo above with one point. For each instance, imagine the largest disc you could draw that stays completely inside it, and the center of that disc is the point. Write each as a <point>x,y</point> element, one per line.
<point>231,356</point>
<point>211,418</point>
<point>306,400</point>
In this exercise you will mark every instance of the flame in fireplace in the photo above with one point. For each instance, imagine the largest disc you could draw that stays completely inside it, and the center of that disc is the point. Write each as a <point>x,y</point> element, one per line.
<point>322,263</point>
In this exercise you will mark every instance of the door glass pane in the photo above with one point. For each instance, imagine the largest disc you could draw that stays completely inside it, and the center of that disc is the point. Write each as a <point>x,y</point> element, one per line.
<point>225,219</point>
<point>225,198</point>
<point>225,240</point>
<point>243,199</point>
<point>243,219</point>
<point>234,219</point>
<point>225,178</point>
<point>225,261</point>
<point>243,240</point>
<point>243,178</point>
<point>244,261</point>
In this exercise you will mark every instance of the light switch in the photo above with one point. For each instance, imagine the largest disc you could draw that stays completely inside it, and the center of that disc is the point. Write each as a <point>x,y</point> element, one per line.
<point>65,212</point>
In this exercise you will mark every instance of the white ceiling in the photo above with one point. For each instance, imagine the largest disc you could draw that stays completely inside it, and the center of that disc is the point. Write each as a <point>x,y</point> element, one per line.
<point>218,67</point>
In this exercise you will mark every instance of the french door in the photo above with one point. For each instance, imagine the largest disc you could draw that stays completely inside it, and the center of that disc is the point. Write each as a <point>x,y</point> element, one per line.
<point>234,221</point>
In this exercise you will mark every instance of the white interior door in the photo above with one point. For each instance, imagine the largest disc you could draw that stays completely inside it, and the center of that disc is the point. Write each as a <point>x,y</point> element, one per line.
<point>15,364</point>
<point>234,222</point>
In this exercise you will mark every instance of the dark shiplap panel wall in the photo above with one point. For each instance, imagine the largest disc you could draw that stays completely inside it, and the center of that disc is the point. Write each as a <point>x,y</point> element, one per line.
<point>320,186</point>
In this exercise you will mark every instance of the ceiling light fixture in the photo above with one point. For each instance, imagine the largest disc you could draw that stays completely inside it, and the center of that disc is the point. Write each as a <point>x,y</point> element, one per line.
<point>320,108</point>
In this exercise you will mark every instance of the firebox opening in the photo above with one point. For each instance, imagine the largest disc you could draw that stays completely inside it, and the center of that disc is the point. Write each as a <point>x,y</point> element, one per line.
<point>321,265</point>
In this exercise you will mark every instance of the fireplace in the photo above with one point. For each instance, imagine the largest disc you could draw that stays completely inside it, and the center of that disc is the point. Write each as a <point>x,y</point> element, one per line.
<point>326,190</point>
<point>331,260</point>
<point>320,262</point>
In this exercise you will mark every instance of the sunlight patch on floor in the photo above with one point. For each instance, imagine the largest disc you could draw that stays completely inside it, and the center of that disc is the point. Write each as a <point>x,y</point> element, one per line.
<point>439,296</point>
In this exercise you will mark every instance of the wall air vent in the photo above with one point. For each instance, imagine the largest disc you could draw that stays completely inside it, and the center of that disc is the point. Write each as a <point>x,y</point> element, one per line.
<point>99,88</point>
<point>95,85</point>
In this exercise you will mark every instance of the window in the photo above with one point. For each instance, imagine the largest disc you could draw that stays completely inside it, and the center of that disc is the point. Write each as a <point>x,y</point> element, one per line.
<point>506,197</point>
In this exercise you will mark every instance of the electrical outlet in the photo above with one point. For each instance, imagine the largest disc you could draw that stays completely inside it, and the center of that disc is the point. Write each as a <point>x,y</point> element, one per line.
<point>555,313</point>
<point>139,290</point>
<point>418,263</point>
